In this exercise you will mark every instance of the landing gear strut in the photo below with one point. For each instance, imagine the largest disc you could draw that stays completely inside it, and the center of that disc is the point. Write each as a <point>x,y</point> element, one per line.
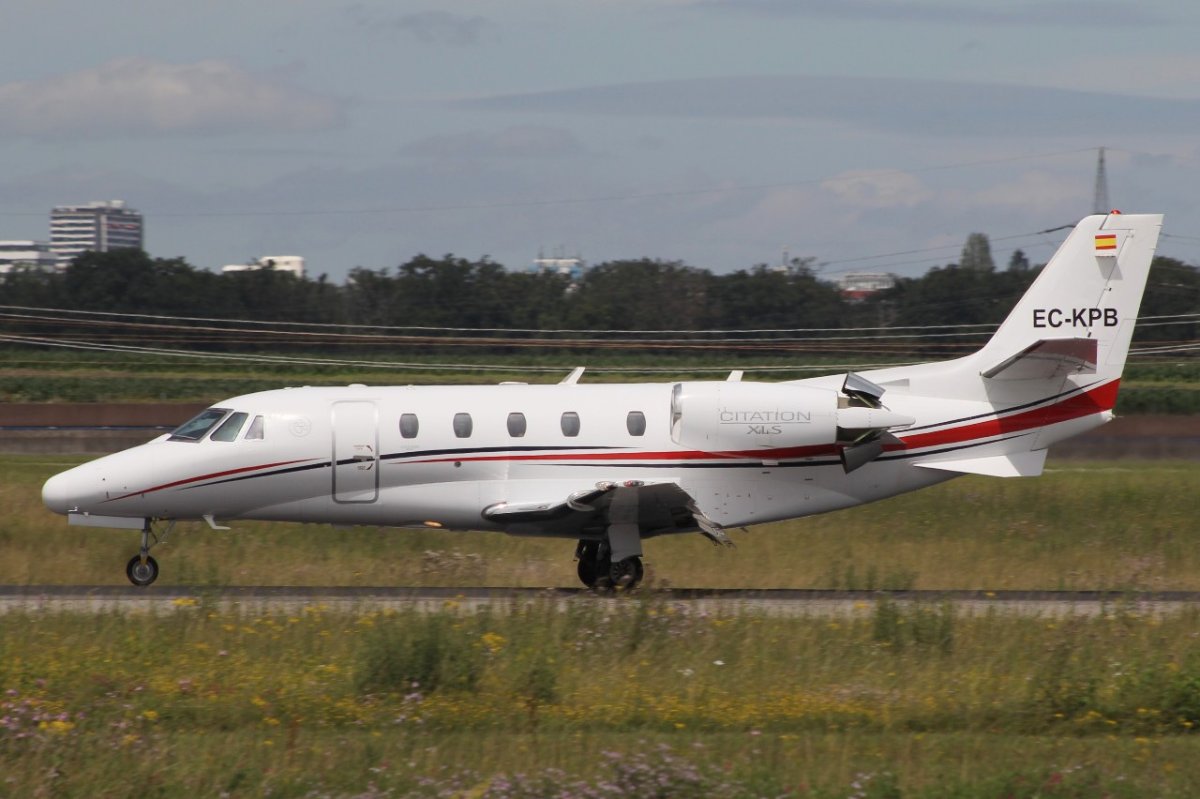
<point>142,570</point>
<point>596,568</point>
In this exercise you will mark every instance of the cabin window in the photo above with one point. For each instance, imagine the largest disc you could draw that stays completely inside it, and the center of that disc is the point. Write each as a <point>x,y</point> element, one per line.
<point>195,428</point>
<point>635,423</point>
<point>462,425</point>
<point>229,429</point>
<point>255,432</point>
<point>409,425</point>
<point>516,424</point>
<point>570,424</point>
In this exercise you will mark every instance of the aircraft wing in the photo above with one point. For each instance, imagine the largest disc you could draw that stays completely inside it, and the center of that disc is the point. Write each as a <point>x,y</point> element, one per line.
<point>656,509</point>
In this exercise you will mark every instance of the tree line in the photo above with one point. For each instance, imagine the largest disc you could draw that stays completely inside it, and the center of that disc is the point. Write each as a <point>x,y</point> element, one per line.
<point>641,294</point>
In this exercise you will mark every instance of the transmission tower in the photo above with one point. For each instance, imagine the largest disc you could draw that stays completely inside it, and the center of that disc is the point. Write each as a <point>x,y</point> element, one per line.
<point>1100,202</point>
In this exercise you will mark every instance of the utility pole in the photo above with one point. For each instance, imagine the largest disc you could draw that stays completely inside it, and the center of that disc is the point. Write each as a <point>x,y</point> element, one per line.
<point>1100,201</point>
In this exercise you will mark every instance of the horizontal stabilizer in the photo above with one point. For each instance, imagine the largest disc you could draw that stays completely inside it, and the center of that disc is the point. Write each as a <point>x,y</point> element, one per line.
<point>1047,358</point>
<point>1017,464</point>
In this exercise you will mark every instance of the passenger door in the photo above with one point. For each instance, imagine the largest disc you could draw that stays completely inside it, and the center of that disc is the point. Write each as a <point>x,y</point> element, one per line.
<point>355,428</point>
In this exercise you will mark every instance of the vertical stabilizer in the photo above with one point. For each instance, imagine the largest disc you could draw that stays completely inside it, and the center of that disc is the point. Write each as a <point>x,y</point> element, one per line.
<point>1089,292</point>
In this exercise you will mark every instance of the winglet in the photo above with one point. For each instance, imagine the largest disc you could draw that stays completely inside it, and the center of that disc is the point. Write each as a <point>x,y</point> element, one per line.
<point>572,378</point>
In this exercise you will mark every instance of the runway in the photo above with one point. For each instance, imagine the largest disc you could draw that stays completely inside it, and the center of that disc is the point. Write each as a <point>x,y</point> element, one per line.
<point>717,602</point>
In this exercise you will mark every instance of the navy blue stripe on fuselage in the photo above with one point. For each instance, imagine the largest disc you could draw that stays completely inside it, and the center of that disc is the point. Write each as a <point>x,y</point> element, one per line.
<point>464,451</point>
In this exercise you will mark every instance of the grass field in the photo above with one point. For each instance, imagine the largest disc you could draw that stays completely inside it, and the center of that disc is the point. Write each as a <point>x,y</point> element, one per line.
<point>33,375</point>
<point>647,700</point>
<point>1118,526</point>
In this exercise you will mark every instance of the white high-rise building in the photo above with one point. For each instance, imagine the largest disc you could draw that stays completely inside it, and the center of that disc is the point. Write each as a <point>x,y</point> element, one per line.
<point>25,253</point>
<point>95,227</point>
<point>293,264</point>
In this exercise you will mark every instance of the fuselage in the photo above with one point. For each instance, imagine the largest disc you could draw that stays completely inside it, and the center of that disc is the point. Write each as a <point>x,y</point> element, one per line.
<point>440,456</point>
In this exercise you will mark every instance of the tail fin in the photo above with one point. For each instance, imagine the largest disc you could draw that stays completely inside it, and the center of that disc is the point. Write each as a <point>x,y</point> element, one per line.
<point>1081,310</point>
<point>1051,370</point>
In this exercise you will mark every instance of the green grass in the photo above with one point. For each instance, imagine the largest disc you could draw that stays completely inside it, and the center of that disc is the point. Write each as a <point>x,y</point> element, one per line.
<point>916,702</point>
<point>32,375</point>
<point>199,701</point>
<point>1126,526</point>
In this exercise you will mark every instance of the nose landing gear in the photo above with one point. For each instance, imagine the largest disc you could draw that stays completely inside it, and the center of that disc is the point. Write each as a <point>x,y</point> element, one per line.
<point>142,570</point>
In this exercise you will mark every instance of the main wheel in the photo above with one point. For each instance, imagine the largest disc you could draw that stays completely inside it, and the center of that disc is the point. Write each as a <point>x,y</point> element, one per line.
<point>141,573</point>
<point>626,574</point>
<point>588,567</point>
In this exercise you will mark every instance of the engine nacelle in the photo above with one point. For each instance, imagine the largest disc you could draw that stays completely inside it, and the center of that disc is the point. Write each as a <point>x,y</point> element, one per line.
<point>736,416</point>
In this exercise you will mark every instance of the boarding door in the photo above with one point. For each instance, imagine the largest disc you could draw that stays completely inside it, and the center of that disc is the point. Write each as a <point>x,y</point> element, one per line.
<point>355,451</point>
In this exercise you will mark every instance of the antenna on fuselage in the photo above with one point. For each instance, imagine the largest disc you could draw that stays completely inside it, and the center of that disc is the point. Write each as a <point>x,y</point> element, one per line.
<point>572,378</point>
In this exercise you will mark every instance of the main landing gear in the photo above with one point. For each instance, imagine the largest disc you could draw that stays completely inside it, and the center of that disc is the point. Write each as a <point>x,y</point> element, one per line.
<point>596,568</point>
<point>142,570</point>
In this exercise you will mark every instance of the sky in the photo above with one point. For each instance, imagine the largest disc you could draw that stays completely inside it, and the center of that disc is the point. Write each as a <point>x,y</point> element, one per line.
<point>869,135</point>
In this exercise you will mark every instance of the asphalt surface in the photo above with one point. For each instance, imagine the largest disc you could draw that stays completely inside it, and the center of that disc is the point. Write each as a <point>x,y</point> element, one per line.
<point>774,602</point>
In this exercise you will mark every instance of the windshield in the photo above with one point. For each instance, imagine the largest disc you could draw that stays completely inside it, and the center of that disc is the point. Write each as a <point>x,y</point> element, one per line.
<point>230,427</point>
<point>195,428</point>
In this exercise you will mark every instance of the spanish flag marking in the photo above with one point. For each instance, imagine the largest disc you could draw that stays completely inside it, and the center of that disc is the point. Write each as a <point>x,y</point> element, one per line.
<point>1106,242</point>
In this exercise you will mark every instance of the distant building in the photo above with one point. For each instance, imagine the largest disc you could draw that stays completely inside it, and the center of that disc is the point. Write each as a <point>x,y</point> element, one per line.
<point>293,264</point>
<point>560,265</point>
<point>25,253</point>
<point>857,286</point>
<point>95,227</point>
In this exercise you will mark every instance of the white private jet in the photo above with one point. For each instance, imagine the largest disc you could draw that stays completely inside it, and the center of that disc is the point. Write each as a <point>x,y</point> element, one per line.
<point>611,465</point>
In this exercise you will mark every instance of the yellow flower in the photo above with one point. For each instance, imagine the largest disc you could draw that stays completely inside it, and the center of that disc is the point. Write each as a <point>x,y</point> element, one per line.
<point>494,642</point>
<point>150,715</point>
<point>61,727</point>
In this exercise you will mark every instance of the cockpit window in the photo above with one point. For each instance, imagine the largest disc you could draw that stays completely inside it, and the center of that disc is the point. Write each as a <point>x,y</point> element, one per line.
<point>229,429</point>
<point>255,433</point>
<point>195,428</point>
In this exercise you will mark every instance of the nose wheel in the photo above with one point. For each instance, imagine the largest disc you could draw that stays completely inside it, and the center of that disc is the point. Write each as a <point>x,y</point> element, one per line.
<point>141,570</point>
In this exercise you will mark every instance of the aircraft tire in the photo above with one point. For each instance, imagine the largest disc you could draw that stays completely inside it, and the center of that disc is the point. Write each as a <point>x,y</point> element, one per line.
<point>626,574</point>
<point>139,573</point>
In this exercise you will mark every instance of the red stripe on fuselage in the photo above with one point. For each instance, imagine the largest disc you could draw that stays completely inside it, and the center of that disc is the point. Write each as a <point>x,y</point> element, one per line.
<point>1087,403</point>
<point>197,479</point>
<point>600,457</point>
<point>1101,398</point>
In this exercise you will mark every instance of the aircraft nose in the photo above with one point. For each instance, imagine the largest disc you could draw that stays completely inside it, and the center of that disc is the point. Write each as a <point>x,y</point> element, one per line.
<point>58,493</point>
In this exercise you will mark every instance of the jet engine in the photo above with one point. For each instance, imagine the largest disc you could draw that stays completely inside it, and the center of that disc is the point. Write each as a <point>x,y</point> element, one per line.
<point>740,417</point>
<point>736,416</point>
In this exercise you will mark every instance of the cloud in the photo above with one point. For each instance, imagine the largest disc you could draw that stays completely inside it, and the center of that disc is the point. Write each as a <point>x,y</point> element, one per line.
<point>521,141</point>
<point>1158,74</point>
<point>890,105</point>
<point>138,96</point>
<point>1074,13</point>
<point>876,188</point>
<point>1037,192</point>
<point>431,27</point>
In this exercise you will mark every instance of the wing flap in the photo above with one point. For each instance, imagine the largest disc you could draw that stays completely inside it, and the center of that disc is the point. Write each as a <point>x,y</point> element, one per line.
<point>655,508</point>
